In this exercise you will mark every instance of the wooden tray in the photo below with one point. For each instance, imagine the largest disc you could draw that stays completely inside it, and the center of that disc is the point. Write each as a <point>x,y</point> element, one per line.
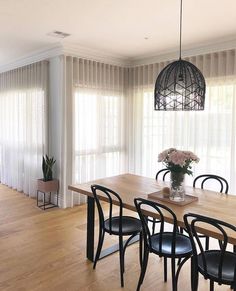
<point>159,196</point>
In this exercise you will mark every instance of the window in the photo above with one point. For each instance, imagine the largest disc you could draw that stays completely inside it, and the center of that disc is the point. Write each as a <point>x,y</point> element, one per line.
<point>99,134</point>
<point>209,133</point>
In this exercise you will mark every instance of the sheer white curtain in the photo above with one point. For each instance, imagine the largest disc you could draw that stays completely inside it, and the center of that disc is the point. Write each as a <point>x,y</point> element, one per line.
<point>99,120</point>
<point>23,126</point>
<point>211,134</point>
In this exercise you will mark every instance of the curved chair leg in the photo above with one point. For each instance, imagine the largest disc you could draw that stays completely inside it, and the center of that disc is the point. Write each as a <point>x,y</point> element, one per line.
<point>140,248</point>
<point>99,248</point>
<point>165,269</point>
<point>194,276</point>
<point>179,268</point>
<point>128,240</point>
<point>143,269</point>
<point>179,262</point>
<point>121,252</point>
<point>127,243</point>
<point>211,285</point>
<point>174,287</point>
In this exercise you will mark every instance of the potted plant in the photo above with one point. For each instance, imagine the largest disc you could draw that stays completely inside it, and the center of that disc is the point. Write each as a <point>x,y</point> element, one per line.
<point>48,184</point>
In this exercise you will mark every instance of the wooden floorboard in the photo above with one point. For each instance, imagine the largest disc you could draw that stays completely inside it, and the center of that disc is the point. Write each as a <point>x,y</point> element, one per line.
<point>45,251</point>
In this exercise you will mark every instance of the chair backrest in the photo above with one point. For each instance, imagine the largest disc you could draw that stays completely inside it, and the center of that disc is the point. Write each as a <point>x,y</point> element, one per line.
<point>159,210</point>
<point>224,186</point>
<point>163,173</point>
<point>193,222</point>
<point>99,193</point>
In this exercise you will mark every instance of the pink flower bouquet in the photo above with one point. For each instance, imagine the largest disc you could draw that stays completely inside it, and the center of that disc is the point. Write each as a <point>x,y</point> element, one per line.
<point>178,161</point>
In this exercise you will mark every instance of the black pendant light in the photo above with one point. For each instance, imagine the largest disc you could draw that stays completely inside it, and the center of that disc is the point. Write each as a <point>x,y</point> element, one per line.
<point>180,85</point>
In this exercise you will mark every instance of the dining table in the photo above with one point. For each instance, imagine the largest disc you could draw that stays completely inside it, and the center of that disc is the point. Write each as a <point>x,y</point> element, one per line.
<point>130,186</point>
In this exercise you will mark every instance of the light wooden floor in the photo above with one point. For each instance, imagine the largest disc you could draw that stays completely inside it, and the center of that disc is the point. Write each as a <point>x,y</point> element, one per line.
<point>45,250</point>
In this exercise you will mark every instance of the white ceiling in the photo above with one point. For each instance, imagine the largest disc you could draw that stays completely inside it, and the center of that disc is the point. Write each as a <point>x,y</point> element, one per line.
<point>114,27</point>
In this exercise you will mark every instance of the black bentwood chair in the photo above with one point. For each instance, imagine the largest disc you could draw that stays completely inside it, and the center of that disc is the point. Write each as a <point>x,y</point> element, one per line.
<point>161,173</point>
<point>167,244</point>
<point>217,265</point>
<point>115,224</point>
<point>224,187</point>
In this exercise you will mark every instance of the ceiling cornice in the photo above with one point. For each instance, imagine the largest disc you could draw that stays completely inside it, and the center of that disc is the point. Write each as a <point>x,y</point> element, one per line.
<point>222,45</point>
<point>87,53</point>
<point>34,57</point>
<point>82,52</point>
<point>64,49</point>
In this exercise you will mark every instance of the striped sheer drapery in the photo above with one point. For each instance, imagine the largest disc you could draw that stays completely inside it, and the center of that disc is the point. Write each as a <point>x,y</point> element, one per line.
<point>23,125</point>
<point>210,133</point>
<point>99,120</point>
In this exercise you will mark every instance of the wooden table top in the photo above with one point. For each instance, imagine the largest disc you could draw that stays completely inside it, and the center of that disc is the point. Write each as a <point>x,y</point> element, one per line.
<point>209,203</point>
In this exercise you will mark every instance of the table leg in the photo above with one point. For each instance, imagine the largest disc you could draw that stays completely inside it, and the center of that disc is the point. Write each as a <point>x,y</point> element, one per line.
<point>90,228</point>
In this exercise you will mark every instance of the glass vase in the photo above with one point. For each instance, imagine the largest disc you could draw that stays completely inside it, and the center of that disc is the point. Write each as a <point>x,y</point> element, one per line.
<point>177,191</point>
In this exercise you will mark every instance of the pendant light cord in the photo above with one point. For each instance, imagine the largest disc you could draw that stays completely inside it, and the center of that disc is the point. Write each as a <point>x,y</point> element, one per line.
<point>180,30</point>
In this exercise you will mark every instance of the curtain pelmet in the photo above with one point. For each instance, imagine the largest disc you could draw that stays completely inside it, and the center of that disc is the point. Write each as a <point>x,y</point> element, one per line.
<point>216,66</point>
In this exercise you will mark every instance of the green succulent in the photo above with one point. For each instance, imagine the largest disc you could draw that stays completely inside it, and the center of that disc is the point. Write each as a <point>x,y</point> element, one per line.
<point>47,165</point>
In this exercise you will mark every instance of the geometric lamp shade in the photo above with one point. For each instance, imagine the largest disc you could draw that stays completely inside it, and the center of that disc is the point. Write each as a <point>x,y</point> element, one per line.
<point>180,86</point>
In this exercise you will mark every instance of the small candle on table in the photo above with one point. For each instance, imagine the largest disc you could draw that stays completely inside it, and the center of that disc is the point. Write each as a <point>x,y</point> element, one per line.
<point>166,192</point>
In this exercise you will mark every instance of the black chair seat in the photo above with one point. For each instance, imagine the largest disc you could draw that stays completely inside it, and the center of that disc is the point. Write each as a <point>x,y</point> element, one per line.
<point>183,246</point>
<point>212,262</point>
<point>130,225</point>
